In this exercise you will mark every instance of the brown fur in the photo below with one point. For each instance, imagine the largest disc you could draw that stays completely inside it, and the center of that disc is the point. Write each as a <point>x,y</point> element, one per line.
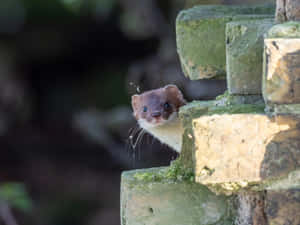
<point>156,112</point>
<point>154,101</point>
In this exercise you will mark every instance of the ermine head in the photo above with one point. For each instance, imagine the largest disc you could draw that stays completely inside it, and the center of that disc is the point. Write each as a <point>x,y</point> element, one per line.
<point>157,107</point>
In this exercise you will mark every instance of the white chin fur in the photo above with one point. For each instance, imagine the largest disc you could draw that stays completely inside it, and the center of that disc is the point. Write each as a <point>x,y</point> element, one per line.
<point>145,124</point>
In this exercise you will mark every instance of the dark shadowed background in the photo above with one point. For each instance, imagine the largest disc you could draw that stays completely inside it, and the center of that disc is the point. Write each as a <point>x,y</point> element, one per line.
<point>67,71</point>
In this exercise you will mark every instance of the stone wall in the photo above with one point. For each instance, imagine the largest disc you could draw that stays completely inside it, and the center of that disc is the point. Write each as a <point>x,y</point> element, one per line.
<point>240,158</point>
<point>191,3</point>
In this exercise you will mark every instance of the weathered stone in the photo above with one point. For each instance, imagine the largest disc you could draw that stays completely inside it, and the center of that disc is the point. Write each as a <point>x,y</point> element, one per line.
<point>286,109</point>
<point>280,11</point>
<point>239,143</point>
<point>291,181</point>
<point>147,200</point>
<point>250,210</point>
<point>281,79</point>
<point>228,99</point>
<point>244,55</point>
<point>201,37</point>
<point>191,3</point>
<point>283,207</point>
<point>285,30</point>
<point>287,10</point>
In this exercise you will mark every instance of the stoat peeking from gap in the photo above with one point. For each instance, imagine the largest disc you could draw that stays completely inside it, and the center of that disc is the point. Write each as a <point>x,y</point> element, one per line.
<point>157,112</point>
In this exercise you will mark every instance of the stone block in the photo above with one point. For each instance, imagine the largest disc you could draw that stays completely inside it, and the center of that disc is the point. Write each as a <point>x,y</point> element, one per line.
<point>285,109</point>
<point>281,76</point>
<point>272,207</point>
<point>200,33</point>
<point>191,3</point>
<point>284,30</point>
<point>244,55</point>
<point>291,181</point>
<point>239,143</point>
<point>287,10</point>
<point>283,207</point>
<point>282,71</point>
<point>228,99</point>
<point>147,199</point>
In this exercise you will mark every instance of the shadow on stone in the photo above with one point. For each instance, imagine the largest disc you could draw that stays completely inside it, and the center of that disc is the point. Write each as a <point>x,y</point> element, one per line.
<point>283,151</point>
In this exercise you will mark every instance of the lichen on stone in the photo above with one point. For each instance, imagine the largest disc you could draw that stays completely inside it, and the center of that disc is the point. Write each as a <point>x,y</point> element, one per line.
<point>201,51</point>
<point>285,30</point>
<point>227,99</point>
<point>244,54</point>
<point>236,109</point>
<point>230,188</point>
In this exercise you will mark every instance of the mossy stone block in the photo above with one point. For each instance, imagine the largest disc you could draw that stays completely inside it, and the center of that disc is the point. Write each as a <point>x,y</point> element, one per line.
<point>223,104</point>
<point>285,30</point>
<point>228,99</point>
<point>244,55</point>
<point>200,33</point>
<point>281,76</point>
<point>146,200</point>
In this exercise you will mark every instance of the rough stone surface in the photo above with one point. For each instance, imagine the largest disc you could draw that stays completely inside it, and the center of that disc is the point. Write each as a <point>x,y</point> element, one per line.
<point>191,3</point>
<point>170,203</point>
<point>291,181</point>
<point>287,10</point>
<point>285,30</point>
<point>243,148</point>
<point>280,11</point>
<point>244,55</point>
<point>283,207</point>
<point>281,79</point>
<point>228,99</point>
<point>248,210</point>
<point>286,109</point>
<point>240,143</point>
<point>200,33</point>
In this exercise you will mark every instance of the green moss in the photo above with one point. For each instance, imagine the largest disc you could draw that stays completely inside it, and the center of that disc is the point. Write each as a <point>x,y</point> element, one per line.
<point>187,155</point>
<point>199,108</point>
<point>167,202</point>
<point>175,172</point>
<point>244,53</point>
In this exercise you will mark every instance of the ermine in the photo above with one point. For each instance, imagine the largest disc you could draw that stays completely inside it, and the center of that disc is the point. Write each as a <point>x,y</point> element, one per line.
<point>157,113</point>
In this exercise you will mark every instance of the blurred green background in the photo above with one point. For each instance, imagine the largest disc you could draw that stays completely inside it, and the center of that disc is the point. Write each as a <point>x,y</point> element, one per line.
<point>67,71</point>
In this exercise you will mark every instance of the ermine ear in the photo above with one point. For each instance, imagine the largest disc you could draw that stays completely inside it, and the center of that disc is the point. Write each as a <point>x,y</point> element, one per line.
<point>135,102</point>
<point>174,93</point>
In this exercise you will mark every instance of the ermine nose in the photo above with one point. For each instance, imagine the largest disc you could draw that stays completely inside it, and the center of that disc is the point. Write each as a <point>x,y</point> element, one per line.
<point>156,114</point>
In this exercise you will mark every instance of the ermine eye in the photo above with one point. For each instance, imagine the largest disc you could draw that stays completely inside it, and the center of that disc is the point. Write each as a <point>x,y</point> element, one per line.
<point>145,109</point>
<point>167,106</point>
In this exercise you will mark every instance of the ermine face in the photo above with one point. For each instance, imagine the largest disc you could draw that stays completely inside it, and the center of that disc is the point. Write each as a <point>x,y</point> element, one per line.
<point>157,107</point>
